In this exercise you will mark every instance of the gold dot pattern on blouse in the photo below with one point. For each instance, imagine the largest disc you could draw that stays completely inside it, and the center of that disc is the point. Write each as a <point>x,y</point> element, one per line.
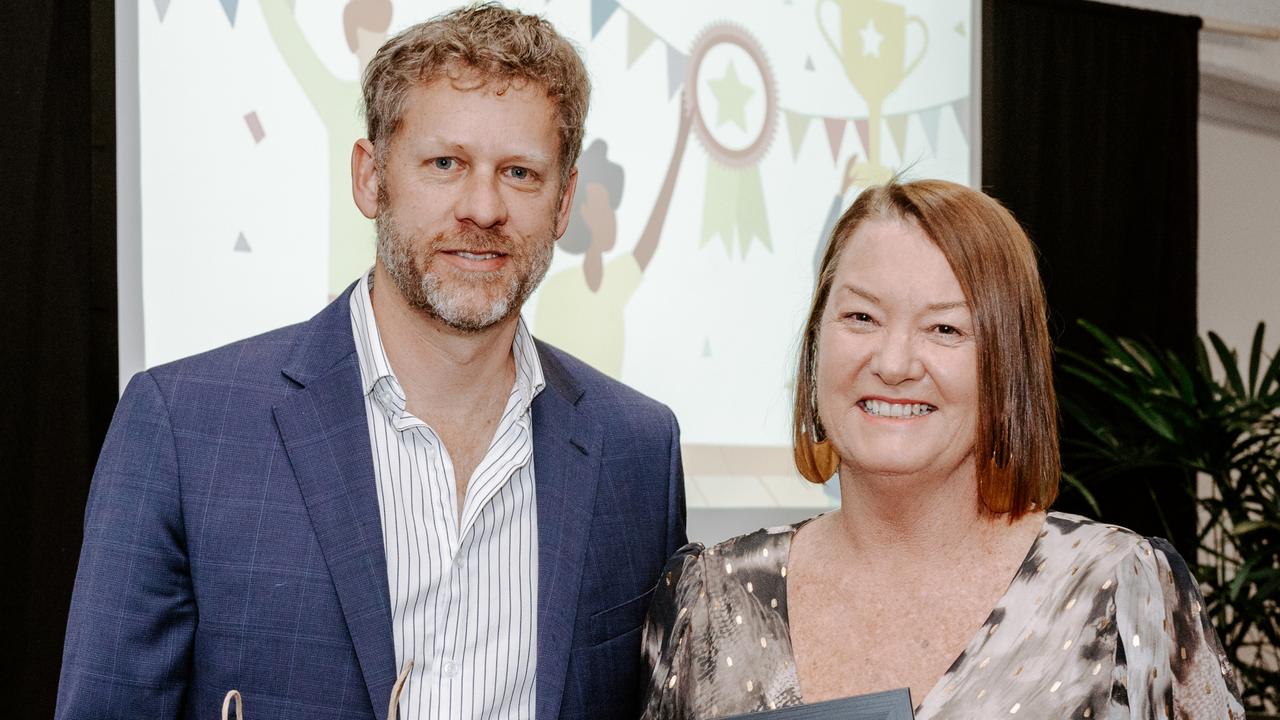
<point>1049,649</point>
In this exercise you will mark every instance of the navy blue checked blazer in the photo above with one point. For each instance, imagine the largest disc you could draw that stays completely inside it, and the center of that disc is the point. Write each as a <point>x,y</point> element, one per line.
<point>232,539</point>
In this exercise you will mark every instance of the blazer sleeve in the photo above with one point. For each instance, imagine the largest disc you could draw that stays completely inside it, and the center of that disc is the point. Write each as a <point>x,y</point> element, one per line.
<point>676,534</point>
<point>129,634</point>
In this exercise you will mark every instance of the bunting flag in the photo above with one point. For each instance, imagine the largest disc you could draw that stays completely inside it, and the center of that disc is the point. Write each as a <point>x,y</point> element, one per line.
<point>898,131</point>
<point>242,245</point>
<point>676,64</point>
<point>162,7</point>
<point>255,127</point>
<point>734,205</point>
<point>929,118</point>
<point>961,109</point>
<point>864,132</point>
<point>601,11</point>
<point>229,7</point>
<point>835,134</point>
<point>797,126</point>
<point>639,38</point>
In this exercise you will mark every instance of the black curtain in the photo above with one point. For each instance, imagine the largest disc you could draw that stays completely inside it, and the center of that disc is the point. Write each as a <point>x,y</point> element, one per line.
<point>1089,137</point>
<point>57,317</point>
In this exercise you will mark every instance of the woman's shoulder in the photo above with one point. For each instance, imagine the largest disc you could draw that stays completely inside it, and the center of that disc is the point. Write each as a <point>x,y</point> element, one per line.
<point>1086,535</point>
<point>1093,543</point>
<point>756,542</point>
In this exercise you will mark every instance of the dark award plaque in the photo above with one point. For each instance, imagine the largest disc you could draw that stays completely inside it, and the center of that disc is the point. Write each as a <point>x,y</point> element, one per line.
<point>887,705</point>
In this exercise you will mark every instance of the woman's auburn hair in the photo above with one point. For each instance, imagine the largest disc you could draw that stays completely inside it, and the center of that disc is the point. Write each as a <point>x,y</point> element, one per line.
<point>1018,466</point>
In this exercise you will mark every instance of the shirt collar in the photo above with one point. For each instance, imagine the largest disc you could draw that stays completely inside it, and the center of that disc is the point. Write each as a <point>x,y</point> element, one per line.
<point>375,368</point>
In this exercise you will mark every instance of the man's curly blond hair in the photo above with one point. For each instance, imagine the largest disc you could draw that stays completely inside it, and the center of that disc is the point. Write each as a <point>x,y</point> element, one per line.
<point>478,45</point>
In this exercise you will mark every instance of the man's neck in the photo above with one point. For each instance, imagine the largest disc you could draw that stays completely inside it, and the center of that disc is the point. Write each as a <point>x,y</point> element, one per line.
<point>439,367</point>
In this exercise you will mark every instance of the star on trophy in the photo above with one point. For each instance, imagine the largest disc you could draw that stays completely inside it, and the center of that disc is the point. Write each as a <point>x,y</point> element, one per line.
<point>873,49</point>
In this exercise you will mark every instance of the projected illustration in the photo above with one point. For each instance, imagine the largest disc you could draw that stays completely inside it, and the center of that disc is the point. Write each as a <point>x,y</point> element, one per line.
<point>724,139</point>
<point>335,99</point>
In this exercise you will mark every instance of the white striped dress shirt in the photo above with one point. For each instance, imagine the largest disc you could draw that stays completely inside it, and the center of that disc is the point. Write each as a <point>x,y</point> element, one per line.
<point>463,593</point>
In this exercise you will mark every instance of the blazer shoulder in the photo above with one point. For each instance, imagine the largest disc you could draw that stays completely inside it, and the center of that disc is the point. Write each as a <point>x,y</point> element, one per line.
<point>255,360</point>
<point>596,394</point>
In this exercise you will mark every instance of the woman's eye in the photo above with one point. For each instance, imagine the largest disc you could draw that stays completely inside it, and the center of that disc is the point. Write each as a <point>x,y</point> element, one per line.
<point>947,329</point>
<point>443,163</point>
<point>860,317</point>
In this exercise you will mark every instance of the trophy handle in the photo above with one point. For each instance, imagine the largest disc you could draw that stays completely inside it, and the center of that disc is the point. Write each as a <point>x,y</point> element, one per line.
<point>817,8</point>
<point>232,696</point>
<point>923,46</point>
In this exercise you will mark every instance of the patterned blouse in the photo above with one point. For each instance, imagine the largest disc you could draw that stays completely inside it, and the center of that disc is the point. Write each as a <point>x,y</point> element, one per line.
<point>1098,622</point>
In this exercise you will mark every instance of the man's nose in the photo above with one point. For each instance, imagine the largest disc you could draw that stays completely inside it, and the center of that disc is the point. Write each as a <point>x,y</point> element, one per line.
<point>481,201</point>
<point>896,359</point>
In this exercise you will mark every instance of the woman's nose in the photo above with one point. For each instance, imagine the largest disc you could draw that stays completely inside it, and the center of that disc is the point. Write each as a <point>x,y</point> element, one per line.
<point>896,360</point>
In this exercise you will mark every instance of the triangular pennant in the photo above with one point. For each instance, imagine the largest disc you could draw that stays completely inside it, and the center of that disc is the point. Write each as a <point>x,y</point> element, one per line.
<point>864,133</point>
<point>929,119</point>
<point>162,7</point>
<point>639,38</point>
<point>242,245</point>
<point>601,11</point>
<point>835,134</point>
<point>808,63</point>
<point>898,131</point>
<point>961,109</point>
<point>676,64</point>
<point>797,125</point>
<point>229,7</point>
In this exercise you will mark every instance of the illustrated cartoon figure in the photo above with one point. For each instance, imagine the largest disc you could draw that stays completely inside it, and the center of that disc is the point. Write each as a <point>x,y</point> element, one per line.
<point>582,309</point>
<point>337,101</point>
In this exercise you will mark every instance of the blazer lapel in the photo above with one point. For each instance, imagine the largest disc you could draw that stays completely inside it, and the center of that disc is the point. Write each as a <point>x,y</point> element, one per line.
<point>325,433</point>
<point>567,451</point>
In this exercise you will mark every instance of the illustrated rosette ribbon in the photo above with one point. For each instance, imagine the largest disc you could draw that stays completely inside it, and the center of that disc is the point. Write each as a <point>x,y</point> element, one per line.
<point>731,98</point>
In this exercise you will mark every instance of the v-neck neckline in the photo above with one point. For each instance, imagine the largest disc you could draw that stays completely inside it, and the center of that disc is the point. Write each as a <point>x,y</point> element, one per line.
<point>786,593</point>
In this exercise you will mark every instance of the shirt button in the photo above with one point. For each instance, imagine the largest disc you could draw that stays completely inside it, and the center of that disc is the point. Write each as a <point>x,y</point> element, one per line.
<point>449,668</point>
<point>458,562</point>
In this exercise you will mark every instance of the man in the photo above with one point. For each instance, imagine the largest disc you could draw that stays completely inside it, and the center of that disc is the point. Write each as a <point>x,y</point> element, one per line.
<point>408,481</point>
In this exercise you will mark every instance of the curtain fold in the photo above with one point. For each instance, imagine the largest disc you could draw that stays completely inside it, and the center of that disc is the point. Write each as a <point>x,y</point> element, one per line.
<point>1089,137</point>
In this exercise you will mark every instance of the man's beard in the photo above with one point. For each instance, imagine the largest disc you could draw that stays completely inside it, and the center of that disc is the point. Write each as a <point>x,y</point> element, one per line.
<point>451,299</point>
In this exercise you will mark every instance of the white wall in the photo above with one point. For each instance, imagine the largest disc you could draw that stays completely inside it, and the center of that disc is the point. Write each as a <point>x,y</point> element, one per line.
<point>1239,233</point>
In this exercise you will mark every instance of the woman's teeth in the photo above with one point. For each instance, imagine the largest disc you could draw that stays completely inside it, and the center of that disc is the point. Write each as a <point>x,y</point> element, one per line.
<point>879,408</point>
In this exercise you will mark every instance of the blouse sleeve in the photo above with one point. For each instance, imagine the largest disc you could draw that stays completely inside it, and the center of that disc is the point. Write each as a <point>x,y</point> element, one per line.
<point>666,641</point>
<point>1205,684</point>
<point>1176,665</point>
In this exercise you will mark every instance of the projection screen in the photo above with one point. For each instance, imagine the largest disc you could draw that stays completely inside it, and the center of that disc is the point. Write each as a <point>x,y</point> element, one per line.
<point>723,140</point>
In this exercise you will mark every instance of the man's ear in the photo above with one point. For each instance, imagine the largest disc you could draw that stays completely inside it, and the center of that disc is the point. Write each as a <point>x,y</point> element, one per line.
<point>566,204</point>
<point>364,178</point>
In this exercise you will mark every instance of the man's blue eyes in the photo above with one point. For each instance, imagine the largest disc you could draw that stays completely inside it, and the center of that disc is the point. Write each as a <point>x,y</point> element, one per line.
<point>448,163</point>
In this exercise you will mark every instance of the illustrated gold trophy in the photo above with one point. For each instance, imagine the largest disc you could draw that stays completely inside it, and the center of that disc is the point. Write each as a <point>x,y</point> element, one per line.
<point>873,50</point>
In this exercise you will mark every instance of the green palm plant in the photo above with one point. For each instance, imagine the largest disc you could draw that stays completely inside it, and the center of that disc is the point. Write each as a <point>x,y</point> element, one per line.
<point>1153,410</point>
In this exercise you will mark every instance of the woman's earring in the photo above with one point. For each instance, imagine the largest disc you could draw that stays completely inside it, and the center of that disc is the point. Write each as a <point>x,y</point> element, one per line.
<point>825,458</point>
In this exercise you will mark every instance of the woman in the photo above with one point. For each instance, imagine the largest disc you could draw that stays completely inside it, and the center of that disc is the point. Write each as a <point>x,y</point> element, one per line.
<point>924,384</point>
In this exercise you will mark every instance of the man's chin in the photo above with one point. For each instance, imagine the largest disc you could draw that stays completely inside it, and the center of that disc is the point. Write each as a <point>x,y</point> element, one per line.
<point>471,315</point>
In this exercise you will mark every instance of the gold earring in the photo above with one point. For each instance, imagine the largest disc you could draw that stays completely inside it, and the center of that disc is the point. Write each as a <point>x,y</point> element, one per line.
<point>825,459</point>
